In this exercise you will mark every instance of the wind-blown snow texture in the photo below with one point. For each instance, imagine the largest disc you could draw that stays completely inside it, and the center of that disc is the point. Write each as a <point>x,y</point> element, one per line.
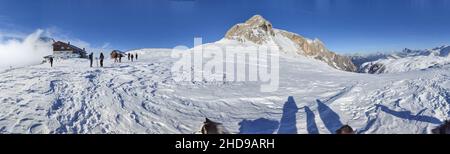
<point>141,97</point>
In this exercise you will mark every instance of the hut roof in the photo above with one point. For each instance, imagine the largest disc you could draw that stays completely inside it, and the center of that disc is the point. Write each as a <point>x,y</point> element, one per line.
<point>68,44</point>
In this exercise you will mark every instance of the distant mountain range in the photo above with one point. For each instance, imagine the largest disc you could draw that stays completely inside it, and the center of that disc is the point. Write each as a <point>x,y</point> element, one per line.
<point>406,60</point>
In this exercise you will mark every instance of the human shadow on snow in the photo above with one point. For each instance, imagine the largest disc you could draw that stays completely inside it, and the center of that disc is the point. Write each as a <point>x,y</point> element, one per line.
<point>408,115</point>
<point>310,121</point>
<point>330,119</point>
<point>288,122</point>
<point>258,126</point>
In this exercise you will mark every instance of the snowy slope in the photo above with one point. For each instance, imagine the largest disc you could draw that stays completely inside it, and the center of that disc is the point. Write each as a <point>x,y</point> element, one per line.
<point>142,97</point>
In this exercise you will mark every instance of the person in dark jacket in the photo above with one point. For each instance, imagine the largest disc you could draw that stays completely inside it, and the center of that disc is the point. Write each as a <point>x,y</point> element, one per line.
<point>51,61</point>
<point>136,56</point>
<point>132,56</point>
<point>101,59</point>
<point>443,128</point>
<point>346,129</point>
<point>120,58</point>
<point>211,127</point>
<point>91,58</point>
<point>129,56</point>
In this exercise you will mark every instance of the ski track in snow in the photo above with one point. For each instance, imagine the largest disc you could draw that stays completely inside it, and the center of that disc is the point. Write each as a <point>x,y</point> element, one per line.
<point>141,97</point>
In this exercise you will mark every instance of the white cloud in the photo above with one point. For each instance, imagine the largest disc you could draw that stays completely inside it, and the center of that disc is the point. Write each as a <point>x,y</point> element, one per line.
<point>21,52</point>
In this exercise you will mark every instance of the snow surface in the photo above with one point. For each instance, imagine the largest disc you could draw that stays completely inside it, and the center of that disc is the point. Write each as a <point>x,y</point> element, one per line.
<point>142,97</point>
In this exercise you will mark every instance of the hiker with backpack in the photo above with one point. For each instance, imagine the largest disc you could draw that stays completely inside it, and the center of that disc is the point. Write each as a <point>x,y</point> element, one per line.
<point>91,58</point>
<point>101,59</point>
<point>51,61</point>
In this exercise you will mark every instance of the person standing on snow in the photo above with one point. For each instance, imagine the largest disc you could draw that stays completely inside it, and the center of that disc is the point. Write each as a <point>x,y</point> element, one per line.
<point>114,55</point>
<point>101,59</point>
<point>129,56</point>
<point>136,56</point>
<point>91,58</point>
<point>132,56</point>
<point>120,57</point>
<point>51,61</point>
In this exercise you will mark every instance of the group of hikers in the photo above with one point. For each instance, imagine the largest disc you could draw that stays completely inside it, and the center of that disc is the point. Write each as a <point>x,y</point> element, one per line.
<point>117,58</point>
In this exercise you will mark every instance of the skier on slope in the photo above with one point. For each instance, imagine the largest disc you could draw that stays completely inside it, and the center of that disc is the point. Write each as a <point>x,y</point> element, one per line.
<point>129,56</point>
<point>132,56</point>
<point>91,58</point>
<point>101,59</point>
<point>136,56</point>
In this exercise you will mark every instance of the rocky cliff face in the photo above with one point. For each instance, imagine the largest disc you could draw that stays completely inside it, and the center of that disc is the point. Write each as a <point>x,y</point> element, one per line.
<point>260,31</point>
<point>256,29</point>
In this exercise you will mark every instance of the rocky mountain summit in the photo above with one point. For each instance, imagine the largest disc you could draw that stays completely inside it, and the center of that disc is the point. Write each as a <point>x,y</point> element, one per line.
<point>260,31</point>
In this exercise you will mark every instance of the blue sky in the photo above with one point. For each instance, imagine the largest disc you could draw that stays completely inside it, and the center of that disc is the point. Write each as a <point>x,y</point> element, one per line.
<point>343,25</point>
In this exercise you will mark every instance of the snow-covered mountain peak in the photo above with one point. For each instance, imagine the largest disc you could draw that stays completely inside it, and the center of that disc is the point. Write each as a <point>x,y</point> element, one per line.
<point>442,47</point>
<point>259,31</point>
<point>257,20</point>
<point>256,29</point>
<point>443,50</point>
